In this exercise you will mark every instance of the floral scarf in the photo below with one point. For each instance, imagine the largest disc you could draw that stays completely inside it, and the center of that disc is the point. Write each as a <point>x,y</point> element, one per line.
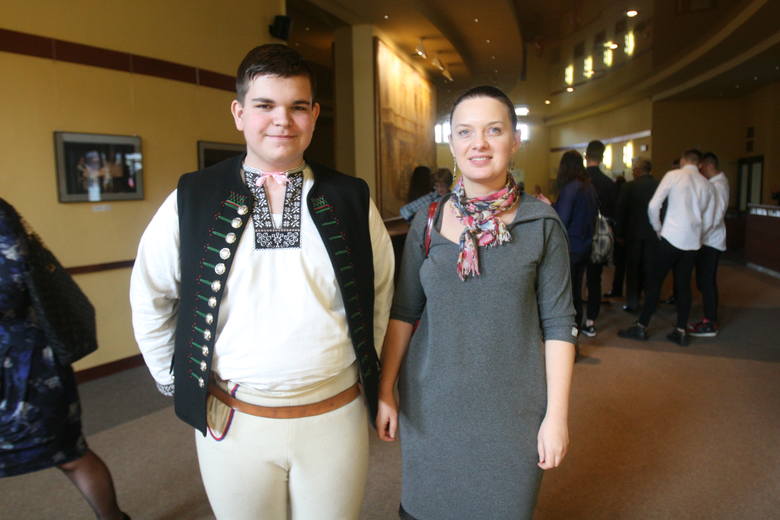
<point>484,227</point>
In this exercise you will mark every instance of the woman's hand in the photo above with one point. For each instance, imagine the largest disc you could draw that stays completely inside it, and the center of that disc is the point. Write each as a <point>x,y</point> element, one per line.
<point>552,442</point>
<point>387,417</point>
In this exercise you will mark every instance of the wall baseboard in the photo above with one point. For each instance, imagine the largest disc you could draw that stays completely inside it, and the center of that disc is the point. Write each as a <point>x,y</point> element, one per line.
<point>107,369</point>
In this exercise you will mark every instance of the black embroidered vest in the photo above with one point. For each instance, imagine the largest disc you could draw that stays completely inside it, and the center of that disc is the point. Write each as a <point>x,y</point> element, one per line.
<point>214,208</point>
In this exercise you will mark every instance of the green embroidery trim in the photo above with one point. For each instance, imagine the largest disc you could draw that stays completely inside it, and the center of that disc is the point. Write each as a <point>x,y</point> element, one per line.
<point>220,235</point>
<point>209,265</point>
<point>199,330</point>
<point>328,223</point>
<point>201,314</point>
<point>205,282</point>
<point>203,298</point>
<point>197,344</point>
<point>225,219</point>
<point>346,267</point>
<point>349,283</point>
<point>342,252</point>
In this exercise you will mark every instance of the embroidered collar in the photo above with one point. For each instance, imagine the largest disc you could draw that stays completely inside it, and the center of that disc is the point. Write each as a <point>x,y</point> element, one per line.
<point>268,236</point>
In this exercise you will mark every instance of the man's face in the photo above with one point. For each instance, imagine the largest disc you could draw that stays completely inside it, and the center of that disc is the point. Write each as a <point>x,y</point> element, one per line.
<point>277,118</point>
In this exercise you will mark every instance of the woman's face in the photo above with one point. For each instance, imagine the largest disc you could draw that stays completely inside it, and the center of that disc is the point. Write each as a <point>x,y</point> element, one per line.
<point>483,140</point>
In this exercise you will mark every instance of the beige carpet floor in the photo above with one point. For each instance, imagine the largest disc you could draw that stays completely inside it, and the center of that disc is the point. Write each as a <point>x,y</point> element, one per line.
<point>658,432</point>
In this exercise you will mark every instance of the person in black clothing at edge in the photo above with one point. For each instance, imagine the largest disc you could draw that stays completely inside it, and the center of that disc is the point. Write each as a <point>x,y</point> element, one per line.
<point>619,253</point>
<point>633,229</point>
<point>607,195</point>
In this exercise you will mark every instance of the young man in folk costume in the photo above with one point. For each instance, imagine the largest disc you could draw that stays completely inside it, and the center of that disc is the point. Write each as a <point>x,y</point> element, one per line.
<point>260,290</point>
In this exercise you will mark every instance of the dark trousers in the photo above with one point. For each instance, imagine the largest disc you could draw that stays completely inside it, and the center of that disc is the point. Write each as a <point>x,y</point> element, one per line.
<point>619,256</point>
<point>681,262</point>
<point>707,280</point>
<point>640,254</point>
<point>578,263</point>
<point>593,277</point>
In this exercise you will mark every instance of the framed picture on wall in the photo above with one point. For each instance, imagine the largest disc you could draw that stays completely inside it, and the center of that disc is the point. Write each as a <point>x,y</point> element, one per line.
<point>98,167</point>
<point>210,153</point>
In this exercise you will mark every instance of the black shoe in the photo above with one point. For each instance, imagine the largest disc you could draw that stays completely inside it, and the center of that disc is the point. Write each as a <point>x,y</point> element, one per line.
<point>613,294</point>
<point>678,336</point>
<point>635,331</point>
<point>630,310</point>
<point>589,330</point>
<point>671,300</point>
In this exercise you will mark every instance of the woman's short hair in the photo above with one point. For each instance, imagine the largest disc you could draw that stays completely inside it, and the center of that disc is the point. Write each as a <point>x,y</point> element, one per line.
<point>443,175</point>
<point>491,92</point>
<point>272,59</point>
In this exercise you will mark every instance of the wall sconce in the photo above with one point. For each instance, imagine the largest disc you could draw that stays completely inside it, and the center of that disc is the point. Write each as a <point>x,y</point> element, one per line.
<point>630,43</point>
<point>588,67</point>
<point>607,157</point>
<point>608,57</point>
<point>568,75</point>
<point>628,154</point>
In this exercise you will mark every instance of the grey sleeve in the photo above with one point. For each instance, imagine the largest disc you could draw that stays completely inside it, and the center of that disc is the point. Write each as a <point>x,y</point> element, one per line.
<point>409,300</point>
<point>553,293</point>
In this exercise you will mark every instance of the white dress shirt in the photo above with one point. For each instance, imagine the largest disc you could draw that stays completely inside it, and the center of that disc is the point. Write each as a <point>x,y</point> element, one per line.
<point>282,325</point>
<point>691,209</point>
<point>716,236</point>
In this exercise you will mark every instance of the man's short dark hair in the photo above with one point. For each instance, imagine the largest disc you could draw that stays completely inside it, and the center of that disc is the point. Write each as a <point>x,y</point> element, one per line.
<point>595,151</point>
<point>271,59</point>
<point>692,155</point>
<point>710,158</point>
<point>644,165</point>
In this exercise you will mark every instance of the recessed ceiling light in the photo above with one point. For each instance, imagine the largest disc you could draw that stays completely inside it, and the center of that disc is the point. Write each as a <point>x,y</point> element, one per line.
<point>492,57</point>
<point>737,85</point>
<point>755,78</point>
<point>476,20</point>
<point>487,41</point>
<point>569,89</point>
<point>307,29</point>
<point>495,71</point>
<point>546,101</point>
<point>387,16</point>
<point>632,13</point>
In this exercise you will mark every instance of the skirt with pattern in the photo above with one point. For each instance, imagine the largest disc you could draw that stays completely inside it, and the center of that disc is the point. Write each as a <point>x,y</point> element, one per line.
<point>40,413</point>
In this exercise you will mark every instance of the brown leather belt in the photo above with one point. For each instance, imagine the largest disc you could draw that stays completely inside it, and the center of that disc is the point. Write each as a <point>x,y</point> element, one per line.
<point>287,412</point>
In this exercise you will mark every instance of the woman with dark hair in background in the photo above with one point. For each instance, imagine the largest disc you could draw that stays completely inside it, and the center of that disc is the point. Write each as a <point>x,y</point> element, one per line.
<point>442,182</point>
<point>40,413</point>
<point>577,207</point>
<point>485,380</point>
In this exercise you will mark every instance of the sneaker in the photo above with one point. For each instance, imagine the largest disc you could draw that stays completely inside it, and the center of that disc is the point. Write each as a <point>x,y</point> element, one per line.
<point>635,331</point>
<point>678,336</point>
<point>589,330</point>
<point>704,329</point>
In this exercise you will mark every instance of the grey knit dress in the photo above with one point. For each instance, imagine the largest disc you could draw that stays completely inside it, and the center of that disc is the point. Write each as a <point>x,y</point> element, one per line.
<point>472,386</point>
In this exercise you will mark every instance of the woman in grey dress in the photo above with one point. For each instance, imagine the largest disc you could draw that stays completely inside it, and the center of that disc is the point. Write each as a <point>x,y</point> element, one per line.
<point>484,379</point>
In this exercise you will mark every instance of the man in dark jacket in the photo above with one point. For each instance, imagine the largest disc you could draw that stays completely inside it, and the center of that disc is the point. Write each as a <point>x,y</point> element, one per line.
<point>606,189</point>
<point>632,227</point>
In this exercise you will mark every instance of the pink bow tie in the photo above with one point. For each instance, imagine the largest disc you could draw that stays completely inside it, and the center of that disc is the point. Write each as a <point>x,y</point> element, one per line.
<point>279,177</point>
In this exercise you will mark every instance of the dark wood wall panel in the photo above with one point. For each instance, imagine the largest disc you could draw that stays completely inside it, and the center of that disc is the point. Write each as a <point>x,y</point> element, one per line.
<point>51,48</point>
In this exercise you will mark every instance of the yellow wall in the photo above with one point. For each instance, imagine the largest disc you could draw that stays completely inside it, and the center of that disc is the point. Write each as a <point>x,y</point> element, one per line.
<point>40,96</point>
<point>720,126</point>
<point>623,121</point>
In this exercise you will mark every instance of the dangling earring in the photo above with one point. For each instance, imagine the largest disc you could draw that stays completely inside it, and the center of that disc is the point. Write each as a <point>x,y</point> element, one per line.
<point>454,167</point>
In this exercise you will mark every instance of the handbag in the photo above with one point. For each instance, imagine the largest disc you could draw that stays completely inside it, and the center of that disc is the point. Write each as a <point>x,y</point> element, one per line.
<point>62,310</point>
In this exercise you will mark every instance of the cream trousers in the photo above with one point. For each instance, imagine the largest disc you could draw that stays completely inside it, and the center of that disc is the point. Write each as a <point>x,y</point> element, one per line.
<point>280,469</point>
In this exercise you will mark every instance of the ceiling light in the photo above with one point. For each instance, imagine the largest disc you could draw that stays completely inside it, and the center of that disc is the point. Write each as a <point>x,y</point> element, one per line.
<point>521,110</point>
<point>487,41</point>
<point>420,50</point>
<point>632,13</point>
<point>755,78</point>
<point>492,57</point>
<point>546,101</point>
<point>569,89</point>
<point>386,16</point>
<point>476,20</point>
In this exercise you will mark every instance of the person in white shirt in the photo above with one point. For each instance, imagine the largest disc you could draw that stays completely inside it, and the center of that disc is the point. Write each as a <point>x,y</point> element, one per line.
<point>713,244</point>
<point>690,214</point>
<point>260,292</point>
